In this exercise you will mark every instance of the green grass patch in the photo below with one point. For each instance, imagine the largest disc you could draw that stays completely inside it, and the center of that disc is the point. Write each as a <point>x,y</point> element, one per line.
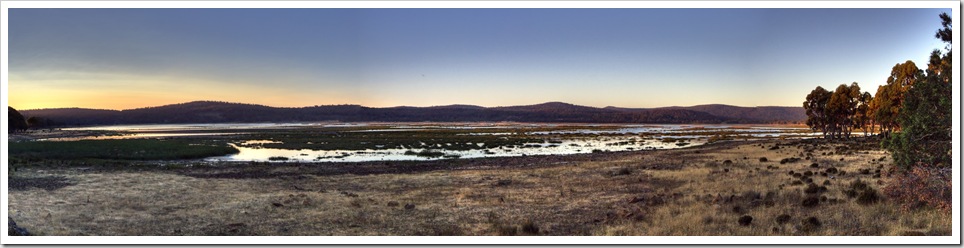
<point>123,149</point>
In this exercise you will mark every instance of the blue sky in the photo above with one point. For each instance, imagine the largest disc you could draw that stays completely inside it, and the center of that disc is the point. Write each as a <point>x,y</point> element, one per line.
<point>128,58</point>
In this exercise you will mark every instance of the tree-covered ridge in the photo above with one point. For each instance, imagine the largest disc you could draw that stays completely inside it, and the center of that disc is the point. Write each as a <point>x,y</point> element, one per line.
<point>222,112</point>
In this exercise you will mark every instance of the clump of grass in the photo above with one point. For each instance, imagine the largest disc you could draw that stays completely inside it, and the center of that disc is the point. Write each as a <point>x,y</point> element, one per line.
<point>810,202</point>
<point>783,218</point>
<point>814,189</point>
<point>530,228</point>
<point>622,172</point>
<point>430,154</point>
<point>123,149</point>
<point>868,196</point>
<point>506,230</point>
<point>278,158</point>
<point>745,220</point>
<point>810,224</point>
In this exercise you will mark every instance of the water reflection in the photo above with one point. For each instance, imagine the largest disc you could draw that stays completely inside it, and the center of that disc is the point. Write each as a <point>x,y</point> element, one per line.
<point>556,147</point>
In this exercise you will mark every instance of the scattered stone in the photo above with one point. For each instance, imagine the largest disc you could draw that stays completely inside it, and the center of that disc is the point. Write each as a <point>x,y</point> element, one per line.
<point>277,204</point>
<point>409,206</point>
<point>763,159</point>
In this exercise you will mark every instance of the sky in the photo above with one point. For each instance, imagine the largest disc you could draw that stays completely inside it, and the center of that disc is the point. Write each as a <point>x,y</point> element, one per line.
<point>132,58</point>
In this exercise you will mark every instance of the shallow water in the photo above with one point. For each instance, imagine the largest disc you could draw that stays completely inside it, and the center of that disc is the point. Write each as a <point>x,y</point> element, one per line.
<point>572,139</point>
<point>573,146</point>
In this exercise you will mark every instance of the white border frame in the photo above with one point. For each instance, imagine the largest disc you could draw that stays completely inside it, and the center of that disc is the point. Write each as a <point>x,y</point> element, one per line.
<point>954,239</point>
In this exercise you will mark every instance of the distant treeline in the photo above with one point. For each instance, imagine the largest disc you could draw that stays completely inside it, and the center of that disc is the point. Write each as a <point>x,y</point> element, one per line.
<point>223,112</point>
<point>913,111</point>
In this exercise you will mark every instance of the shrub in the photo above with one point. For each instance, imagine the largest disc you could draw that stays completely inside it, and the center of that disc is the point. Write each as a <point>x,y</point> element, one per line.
<point>745,220</point>
<point>922,186</point>
<point>810,201</point>
<point>530,228</point>
<point>622,172</point>
<point>506,230</point>
<point>783,218</point>
<point>811,189</point>
<point>868,196</point>
<point>763,159</point>
<point>809,224</point>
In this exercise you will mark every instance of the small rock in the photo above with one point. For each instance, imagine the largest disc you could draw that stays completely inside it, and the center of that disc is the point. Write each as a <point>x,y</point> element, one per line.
<point>409,206</point>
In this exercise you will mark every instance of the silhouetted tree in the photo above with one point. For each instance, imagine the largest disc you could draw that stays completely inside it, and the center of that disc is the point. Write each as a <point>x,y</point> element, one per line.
<point>15,120</point>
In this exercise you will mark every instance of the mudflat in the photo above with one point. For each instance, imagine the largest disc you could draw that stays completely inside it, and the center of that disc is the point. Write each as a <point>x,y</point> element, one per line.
<point>766,187</point>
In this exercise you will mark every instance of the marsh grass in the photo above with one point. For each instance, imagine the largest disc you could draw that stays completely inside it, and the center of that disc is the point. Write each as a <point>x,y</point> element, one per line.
<point>690,191</point>
<point>123,149</point>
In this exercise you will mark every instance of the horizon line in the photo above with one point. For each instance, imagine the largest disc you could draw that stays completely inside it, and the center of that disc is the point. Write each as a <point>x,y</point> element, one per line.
<point>405,106</point>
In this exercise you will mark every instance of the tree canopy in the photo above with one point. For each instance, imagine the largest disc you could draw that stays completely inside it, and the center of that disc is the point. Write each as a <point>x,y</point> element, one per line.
<point>15,120</point>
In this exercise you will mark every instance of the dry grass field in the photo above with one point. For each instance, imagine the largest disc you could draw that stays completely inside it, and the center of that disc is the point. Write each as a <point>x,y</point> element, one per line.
<point>803,188</point>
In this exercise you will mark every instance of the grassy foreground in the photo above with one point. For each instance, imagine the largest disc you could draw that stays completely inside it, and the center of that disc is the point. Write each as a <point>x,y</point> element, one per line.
<point>719,189</point>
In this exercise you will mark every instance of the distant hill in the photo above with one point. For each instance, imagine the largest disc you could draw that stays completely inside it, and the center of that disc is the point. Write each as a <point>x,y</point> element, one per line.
<point>735,114</point>
<point>224,112</point>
